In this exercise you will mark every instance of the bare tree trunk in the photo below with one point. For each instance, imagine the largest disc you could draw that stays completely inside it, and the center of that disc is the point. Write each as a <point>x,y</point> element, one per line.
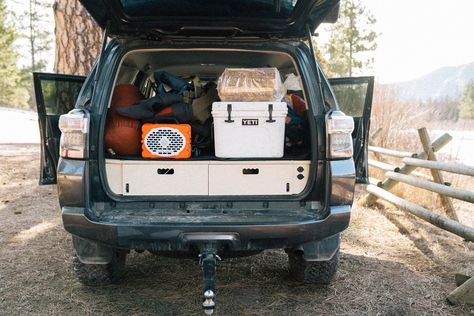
<point>78,38</point>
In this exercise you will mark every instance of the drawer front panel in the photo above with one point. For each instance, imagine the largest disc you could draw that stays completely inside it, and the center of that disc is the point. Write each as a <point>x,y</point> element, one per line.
<point>166,179</point>
<point>257,179</point>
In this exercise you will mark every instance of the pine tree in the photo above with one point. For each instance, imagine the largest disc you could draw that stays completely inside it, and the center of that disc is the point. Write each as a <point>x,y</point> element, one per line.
<point>320,57</point>
<point>78,38</point>
<point>38,36</point>
<point>351,39</point>
<point>10,77</point>
<point>33,29</point>
<point>467,102</point>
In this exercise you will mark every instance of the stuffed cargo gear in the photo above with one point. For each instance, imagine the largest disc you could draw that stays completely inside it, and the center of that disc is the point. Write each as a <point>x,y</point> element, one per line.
<point>292,82</point>
<point>179,112</point>
<point>170,106</point>
<point>122,134</point>
<point>296,130</point>
<point>146,109</point>
<point>176,84</point>
<point>202,105</point>
<point>299,104</point>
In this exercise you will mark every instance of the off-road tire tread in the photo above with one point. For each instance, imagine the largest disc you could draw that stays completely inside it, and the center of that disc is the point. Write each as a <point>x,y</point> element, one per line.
<point>315,272</point>
<point>100,274</point>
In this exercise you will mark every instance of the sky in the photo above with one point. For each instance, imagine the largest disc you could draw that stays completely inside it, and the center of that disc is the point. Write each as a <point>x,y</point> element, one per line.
<point>415,36</point>
<point>419,36</point>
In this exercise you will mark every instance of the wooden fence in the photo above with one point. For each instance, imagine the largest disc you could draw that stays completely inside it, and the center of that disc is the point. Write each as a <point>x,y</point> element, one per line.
<point>406,173</point>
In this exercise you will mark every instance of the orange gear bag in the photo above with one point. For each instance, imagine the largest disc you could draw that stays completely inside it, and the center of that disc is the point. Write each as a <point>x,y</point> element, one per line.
<point>166,141</point>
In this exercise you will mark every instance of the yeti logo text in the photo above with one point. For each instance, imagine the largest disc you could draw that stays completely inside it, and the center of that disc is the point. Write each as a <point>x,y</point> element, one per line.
<point>249,121</point>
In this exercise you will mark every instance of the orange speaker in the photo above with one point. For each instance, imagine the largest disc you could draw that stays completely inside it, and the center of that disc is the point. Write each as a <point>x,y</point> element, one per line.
<point>166,141</point>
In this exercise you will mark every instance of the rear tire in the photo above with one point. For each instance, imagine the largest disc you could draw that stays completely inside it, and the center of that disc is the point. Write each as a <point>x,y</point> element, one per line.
<point>100,274</point>
<point>312,272</point>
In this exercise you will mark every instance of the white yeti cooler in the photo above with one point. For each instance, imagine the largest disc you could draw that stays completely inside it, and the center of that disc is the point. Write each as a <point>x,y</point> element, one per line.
<point>249,129</point>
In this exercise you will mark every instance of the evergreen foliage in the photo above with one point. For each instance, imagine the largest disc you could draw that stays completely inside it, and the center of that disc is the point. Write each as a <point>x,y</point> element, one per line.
<point>467,102</point>
<point>11,92</point>
<point>39,37</point>
<point>352,38</point>
<point>33,29</point>
<point>444,108</point>
<point>320,57</point>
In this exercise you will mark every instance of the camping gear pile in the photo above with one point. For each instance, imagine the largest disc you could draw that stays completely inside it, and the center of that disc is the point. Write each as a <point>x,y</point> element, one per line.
<point>177,119</point>
<point>123,134</point>
<point>255,118</point>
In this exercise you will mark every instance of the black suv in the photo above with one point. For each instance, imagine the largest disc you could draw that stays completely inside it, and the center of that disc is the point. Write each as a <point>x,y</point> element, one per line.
<point>204,207</point>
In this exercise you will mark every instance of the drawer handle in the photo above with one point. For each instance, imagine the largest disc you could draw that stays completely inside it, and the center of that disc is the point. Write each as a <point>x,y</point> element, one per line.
<point>165,171</point>
<point>250,171</point>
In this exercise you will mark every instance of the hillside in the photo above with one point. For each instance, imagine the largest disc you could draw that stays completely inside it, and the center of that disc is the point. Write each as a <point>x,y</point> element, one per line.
<point>446,81</point>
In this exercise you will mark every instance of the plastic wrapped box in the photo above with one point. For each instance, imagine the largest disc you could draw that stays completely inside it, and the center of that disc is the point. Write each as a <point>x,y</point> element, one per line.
<point>250,85</point>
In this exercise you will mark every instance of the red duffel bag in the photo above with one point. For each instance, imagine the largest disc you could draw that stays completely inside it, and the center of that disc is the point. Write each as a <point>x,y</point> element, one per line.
<point>123,134</point>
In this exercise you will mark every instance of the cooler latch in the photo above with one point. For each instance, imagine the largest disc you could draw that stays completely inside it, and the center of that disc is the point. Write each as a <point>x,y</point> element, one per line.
<point>229,112</point>
<point>270,114</point>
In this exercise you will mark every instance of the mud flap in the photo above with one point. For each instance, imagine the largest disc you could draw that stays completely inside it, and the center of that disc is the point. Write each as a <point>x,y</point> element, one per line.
<point>321,250</point>
<point>90,252</point>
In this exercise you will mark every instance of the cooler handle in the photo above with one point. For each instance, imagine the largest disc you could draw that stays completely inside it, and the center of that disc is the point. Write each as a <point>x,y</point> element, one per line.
<point>270,113</point>
<point>229,111</point>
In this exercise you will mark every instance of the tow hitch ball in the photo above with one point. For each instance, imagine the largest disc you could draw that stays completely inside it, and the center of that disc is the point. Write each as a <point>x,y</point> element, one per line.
<point>208,260</point>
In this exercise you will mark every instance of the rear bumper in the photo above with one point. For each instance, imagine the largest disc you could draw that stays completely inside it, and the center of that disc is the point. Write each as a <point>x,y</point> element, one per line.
<point>180,236</point>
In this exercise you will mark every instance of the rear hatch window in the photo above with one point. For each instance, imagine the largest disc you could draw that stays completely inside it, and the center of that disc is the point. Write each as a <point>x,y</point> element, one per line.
<point>205,8</point>
<point>212,18</point>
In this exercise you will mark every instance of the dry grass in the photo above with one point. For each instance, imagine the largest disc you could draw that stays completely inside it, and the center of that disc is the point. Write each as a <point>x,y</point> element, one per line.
<point>391,264</point>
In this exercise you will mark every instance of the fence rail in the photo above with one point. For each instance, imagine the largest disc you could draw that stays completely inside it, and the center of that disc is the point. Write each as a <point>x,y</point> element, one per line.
<point>391,152</point>
<point>424,213</point>
<point>383,165</point>
<point>438,165</point>
<point>405,173</point>
<point>432,186</point>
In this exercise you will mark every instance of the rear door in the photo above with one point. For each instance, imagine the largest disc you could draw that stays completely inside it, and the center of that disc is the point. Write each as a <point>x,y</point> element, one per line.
<point>55,95</point>
<point>210,18</point>
<point>354,96</point>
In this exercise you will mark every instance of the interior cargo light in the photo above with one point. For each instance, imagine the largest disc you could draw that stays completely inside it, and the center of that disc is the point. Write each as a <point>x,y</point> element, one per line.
<point>74,128</point>
<point>339,129</point>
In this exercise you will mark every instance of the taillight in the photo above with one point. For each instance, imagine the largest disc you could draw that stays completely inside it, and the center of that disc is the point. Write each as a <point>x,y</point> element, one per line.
<point>339,128</point>
<point>74,128</point>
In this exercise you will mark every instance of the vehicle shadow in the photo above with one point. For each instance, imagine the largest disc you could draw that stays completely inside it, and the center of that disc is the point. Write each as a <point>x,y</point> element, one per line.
<point>411,233</point>
<point>262,285</point>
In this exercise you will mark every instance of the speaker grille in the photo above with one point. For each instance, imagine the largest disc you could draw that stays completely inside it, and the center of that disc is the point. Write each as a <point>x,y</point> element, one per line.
<point>165,141</point>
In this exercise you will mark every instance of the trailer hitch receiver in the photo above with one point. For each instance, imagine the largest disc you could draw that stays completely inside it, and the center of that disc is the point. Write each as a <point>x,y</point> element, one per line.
<point>208,259</point>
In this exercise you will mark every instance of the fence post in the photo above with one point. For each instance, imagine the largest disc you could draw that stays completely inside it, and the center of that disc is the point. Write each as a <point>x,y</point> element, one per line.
<point>387,184</point>
<point>436,174</point>
<point>372,142</point>
<point>464,294</point>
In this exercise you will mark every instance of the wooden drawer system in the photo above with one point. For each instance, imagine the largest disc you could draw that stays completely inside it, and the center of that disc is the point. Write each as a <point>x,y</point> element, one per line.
<point>201,178</point>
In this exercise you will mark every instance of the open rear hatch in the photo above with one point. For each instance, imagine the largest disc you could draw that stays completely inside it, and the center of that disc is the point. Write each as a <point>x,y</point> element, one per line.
<point>249,148</point>
<point>239,18</point>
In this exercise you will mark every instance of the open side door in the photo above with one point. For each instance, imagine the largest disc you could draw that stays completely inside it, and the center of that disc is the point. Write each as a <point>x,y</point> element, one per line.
<point>55,95</point>
<point>354,96</point>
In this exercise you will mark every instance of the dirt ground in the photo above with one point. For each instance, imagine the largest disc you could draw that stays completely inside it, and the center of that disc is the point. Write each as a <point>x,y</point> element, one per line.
<point>391,264</point>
